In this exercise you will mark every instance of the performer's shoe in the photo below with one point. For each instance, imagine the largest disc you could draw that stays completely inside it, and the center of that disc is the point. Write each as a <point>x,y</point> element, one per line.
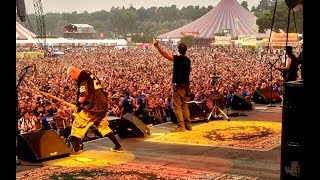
<point>179,129</point>
<point>188,127</point>
<point>115,149</point>
<point>74,153</point>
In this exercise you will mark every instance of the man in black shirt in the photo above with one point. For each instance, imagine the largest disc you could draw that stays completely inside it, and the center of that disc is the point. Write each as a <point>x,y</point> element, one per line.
<point>290,69</point>
<point>91,108</point>
<point>180,81</point>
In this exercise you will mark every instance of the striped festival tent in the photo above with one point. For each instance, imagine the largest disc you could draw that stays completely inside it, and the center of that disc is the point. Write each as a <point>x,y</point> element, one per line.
<point>227,15</point>
<point>23,33</point>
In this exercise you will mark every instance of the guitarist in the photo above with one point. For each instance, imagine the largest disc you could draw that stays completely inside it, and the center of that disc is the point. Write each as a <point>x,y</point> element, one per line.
<point>290,70</point>
<point>91,108</point>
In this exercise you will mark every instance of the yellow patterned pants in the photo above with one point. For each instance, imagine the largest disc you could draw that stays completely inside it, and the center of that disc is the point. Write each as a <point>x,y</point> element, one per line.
<point>82,123</point>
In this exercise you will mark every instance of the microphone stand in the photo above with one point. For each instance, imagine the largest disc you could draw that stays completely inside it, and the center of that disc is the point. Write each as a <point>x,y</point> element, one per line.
<point>17,87</point>
<point>271,88</point>
<point>215,109</point>
<point>273,17</point>
<point>17,101</point>
<point>18,162</point>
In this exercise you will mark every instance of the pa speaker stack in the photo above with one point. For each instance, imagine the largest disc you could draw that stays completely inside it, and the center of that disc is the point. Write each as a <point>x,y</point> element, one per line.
<point>293,128</point>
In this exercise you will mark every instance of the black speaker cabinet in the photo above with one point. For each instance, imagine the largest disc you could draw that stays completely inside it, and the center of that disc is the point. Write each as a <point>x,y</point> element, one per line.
<point>131,126</point>
<point>265,96</point>
<point>41,145</point>
<point>293,3</point>
<point>114,123</point>
<point>239,102</point>
<point>293,128</point>
<point>197,111</point>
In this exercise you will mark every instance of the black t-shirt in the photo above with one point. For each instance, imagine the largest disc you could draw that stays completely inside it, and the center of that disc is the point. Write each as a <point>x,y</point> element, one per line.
<point>128,104</point>
<point>90,86</point>
<point>142,102</point>
<point>292,74</point>
<point>181,69</point>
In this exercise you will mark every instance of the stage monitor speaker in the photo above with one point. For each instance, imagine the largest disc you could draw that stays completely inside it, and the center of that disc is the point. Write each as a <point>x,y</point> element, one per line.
<point>114,122</point>
<point>41,145</point>
<point>239,102</point>
<point>264,96</point>
<point>131,126</point>
<point>196,110</point>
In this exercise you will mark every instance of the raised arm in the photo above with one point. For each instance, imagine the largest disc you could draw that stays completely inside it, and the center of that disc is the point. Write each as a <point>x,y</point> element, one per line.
<point>162,52</point>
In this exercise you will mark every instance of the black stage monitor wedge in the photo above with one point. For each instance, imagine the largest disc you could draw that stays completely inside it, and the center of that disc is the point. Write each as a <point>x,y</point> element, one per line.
<point>266,96</point>
<point>239,102</point>
<point>41,145</point>
<point>196,110</point>
<point>131,126</point>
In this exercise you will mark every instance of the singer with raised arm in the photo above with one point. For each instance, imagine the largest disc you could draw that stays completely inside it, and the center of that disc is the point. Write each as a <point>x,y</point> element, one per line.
<point>290,70</point>
<point>180,85</point>
<point>91,108</point>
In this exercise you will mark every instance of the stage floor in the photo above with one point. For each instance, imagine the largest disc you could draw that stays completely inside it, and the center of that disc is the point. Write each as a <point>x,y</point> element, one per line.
<point>222,161</point>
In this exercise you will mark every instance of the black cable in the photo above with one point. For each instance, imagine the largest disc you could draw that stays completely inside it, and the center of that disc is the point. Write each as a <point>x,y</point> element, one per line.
<point>295,26</point>
<point>294,22</point>
<point>274,12</point>
<point>30,26</point>
<point>288,23</point>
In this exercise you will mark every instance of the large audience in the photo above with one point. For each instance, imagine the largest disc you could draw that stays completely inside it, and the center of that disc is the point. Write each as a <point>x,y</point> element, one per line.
<point>134,69</point>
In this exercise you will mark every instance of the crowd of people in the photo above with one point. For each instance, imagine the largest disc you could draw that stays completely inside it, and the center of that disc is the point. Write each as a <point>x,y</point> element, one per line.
<point>138,76</point>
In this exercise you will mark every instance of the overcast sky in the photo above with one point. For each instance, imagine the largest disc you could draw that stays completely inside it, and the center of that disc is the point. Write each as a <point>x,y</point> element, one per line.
<point>60,6</point>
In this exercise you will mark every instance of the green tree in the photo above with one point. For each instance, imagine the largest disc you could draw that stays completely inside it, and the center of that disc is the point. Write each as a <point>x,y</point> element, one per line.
<point>245,5</point>
<point>187,40</point>
<point>264,5</point>
<point>253,9</point>
<point>281,19</point>
<point>122,20</point>
<point>154,21</point>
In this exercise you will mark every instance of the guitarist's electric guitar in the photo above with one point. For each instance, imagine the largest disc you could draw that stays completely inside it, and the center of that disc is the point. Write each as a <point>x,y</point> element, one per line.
<point>284,73</point>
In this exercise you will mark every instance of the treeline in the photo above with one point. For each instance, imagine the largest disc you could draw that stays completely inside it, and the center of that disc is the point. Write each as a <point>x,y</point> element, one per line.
<point>123,22</point>
<point>142,24</point>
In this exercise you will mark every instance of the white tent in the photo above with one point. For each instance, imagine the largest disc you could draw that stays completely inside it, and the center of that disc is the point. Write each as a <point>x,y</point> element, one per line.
<point>227,15</point>
<point>23,33</point>
<point>119,43</point>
